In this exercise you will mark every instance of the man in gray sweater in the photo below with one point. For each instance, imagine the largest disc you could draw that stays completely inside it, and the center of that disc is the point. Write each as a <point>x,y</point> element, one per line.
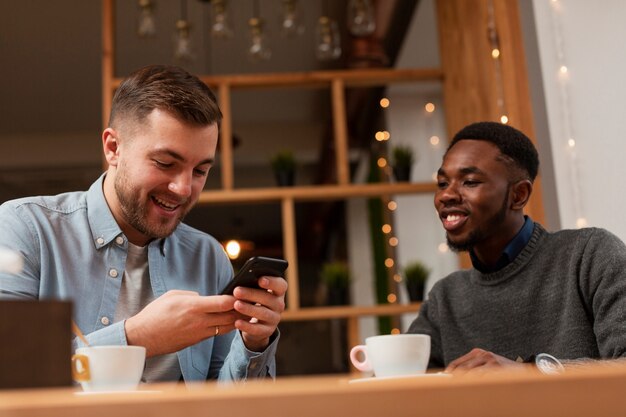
<point>529,291</point>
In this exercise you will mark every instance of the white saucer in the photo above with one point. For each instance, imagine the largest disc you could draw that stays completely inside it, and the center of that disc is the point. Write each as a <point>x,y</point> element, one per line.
<point>391,378</point>
<point>116,392</point>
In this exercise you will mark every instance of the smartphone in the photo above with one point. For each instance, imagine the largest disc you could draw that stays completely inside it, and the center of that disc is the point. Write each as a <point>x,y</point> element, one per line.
<point>253,269</point>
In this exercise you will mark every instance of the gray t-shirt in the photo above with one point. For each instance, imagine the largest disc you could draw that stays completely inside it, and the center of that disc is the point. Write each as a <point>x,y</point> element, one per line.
<point>135,294</point>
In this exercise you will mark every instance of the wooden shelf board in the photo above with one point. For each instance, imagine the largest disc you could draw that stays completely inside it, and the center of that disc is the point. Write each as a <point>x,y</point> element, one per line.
<point>314,192</point>
<point>351,78</point>
<point>335,312</point>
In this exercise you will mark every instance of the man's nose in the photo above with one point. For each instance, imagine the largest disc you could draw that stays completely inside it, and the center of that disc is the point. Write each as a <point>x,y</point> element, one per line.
<point>181,185</point>
<point>449,194</point>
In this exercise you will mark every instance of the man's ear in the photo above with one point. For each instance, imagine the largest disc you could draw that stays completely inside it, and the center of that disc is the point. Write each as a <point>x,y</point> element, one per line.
<point>520,193</point>
<point>110,146</point>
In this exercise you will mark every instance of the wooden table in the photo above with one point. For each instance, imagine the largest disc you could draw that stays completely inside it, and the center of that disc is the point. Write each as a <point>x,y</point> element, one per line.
<point>597,391</point>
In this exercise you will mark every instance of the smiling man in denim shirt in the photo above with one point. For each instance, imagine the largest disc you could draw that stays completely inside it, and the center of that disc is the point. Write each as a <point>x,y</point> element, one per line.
<point>119,251</point>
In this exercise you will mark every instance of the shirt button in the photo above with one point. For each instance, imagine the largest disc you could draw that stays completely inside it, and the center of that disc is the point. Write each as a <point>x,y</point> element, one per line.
<point>100,241</point>
<point>105,321</point>
<point>119,240</point>
<point>113,273</point>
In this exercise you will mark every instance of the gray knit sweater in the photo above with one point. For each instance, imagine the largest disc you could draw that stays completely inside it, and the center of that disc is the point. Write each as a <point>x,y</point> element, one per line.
<point>564,294</point>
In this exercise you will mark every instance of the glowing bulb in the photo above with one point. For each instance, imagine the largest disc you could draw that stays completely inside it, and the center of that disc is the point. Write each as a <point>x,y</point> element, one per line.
<point>258,48</point>
<point>430,107</point>
<point>443,247</point>
<point>361,20</point>
<point>397,277</point>
<point>386,228</point>
<point>380,136</point>
<point>146,26</point>
<point>386,135</point>
<point>571,142</point>
<point>291,24</point>
<point>434,140</point>
<point>581,222</point>
<point>389,262</point>
<point>395,330</point>
<point>220,24</point>
<point>183,46</point>
<point>392,205</point>
<point>384,103</point>
<point>328,40</point>
<point>563,69</point>
<point>495,53</point>
<point>393,241</point>
<point>233,249</point>
<point>504,119</point>
<point>382,162</point>
<point>391,298</point>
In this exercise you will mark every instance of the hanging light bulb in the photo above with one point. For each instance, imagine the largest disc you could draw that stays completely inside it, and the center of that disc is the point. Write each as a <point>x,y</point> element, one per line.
<point>146,25</point>
<point>291,24</point>
<point>361,20</point>
<point>182,49</point>
<point>259,47</point>
<point>220,25</point>
<point>327,39</point>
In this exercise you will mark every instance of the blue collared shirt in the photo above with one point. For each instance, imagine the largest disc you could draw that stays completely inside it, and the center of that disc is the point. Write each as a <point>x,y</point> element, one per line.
<point>512,249</point>
<point>74,250</point>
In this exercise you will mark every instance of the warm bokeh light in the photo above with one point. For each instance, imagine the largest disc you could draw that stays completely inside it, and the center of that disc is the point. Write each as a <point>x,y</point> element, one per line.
<point>563,69</point>
<point>389,262</point>
<point>443,247</point>
<point>504,119</point>
<point>430,107</point>
<point>395,331</point>
<point>386,228</point>
<point>571,142</point>
<point>397,277</point>
<point>392,205</point>
<point>384,103</point>
<point>382,162</point>
<point>380,136</point>
<point>233,249</point>
<point>386,135</point>
<point>434,140</point>
<point>393,241</point>
<point>581,222</point>
<point>495,53</point>
<point>391,298</point>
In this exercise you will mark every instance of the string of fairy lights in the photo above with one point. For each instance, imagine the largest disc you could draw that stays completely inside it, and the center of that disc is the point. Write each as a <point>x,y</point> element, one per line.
<point>563,78</point>
<point>391,205</point>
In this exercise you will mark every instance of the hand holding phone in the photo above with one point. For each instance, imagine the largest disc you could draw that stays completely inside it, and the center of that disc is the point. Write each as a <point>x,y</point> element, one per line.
<point>255,268</point>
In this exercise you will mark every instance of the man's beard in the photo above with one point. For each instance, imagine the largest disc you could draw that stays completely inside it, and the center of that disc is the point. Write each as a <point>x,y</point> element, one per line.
<point>135,211</point>
<point>478,235</point>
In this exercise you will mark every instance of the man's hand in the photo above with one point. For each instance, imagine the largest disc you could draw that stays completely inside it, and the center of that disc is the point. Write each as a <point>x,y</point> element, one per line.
<point>264,306</point>
<point>478,360</point>
<point>179,319</point>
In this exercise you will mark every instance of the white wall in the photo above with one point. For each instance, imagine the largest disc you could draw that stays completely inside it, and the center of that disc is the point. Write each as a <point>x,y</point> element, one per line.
<point>589,105</point>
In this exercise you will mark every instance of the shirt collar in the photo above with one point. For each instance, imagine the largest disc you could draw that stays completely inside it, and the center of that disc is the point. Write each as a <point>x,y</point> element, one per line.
<point>510,252</point>
<point>104,228</point>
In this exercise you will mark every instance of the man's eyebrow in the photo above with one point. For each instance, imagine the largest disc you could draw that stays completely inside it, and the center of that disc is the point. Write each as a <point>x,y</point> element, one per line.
<point>179,157</point>
<point>471,170</point>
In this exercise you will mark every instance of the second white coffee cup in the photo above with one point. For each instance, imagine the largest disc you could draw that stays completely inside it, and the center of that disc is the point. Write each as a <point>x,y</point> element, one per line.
<point>109,368</point>
<point>393,355</point>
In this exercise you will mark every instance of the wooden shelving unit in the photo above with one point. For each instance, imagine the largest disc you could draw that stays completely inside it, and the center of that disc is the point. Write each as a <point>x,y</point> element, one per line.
<point>469,88</point>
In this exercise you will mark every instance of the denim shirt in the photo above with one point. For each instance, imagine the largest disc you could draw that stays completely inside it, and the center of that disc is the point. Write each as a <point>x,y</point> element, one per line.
<point>73,249</point>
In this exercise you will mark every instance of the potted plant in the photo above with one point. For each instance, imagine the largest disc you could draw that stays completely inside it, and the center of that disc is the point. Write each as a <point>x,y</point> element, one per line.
<point>336,278</point>
<point>402,162</point>
<point>415,275</point>
<point>284,166</point>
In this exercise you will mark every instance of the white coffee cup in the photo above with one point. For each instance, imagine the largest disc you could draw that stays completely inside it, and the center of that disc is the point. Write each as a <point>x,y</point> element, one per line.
<point>109,368</point>
<point>393,355</point>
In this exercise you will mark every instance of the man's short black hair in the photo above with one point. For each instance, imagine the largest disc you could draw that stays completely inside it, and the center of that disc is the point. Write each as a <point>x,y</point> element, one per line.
<point>510,141</point>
